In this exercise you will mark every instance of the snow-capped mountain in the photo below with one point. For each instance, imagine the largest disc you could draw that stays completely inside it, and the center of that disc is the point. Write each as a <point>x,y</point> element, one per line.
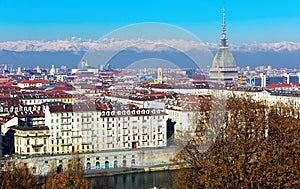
<point>78,44</point>
<point>70,51</point>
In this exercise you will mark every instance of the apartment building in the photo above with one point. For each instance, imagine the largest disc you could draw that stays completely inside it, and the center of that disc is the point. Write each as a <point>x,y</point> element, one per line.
<point>88,128</point>
<point>28,140</point>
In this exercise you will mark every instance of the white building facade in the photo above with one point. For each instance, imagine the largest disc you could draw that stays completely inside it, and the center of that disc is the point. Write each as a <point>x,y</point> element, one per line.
<point>85,129</point>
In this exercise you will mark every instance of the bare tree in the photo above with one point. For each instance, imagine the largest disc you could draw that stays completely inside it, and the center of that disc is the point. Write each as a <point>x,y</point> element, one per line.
<point>70,177</point>
<point>17,176</point>
<point>256,147</point>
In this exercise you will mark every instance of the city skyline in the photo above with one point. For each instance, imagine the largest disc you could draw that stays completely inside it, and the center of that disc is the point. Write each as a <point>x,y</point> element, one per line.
<point>247,22</point>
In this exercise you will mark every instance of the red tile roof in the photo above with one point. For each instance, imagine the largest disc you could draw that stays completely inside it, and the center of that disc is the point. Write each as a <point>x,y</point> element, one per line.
<point>35,81</point>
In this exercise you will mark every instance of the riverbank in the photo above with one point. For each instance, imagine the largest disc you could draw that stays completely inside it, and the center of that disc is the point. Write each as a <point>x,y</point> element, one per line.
<point>133,170</point>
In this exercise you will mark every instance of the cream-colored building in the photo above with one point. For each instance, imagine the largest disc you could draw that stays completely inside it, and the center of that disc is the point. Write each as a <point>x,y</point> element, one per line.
<point>31,140</point>
<point>86,128</point>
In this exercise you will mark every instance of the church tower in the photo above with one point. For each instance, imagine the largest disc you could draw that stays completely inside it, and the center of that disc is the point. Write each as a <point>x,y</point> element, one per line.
<point>223,67</point>
<point>52,70</point>
<point>159,75</point>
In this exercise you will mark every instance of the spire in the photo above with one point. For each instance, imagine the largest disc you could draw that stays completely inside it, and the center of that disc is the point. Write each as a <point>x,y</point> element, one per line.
<point>223,36</point>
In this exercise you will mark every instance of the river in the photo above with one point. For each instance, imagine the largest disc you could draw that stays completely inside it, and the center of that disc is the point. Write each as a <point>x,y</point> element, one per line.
<point>145,180</point>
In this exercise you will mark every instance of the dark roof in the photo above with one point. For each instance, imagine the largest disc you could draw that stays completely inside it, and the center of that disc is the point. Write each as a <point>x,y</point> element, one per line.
<point>26,128</point>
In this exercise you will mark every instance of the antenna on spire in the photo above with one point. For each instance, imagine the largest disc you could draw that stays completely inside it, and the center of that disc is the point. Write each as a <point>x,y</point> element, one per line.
<point>223,36</point>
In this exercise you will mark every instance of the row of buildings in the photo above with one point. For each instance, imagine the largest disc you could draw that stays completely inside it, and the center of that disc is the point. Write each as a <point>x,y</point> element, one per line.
<point>63,128</point>
<point>115,118</point>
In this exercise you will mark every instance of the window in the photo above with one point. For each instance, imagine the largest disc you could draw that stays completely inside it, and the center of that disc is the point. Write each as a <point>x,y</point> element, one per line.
<point>28,150</point>
<point>28,141</point>
<point>45,140</point>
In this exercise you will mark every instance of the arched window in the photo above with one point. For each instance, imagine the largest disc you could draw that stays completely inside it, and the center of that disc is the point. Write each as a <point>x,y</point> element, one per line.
<point>116,164</point>
<point>132,162</point>
<point>124,163</point>
<point>98,165</point>
<point>106,164</point>
<point>88,166</point>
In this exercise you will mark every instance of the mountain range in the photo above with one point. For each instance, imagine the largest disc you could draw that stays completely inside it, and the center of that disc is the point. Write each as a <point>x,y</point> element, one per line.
<point>70,51</point>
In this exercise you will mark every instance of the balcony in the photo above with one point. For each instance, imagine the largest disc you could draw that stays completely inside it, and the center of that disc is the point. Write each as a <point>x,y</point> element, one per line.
<point>37,145</point>
<point>65,130</point>
<point>66,123</point>
<point>145,133</point>
<point>77,136</point>
<point>86,143</point>
<point>65,117</point>
<point>125,134</point>
<point>109,128</point>
<point>68,144</point>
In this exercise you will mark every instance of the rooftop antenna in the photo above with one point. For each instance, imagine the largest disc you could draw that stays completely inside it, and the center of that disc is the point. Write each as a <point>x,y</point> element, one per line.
<point>223,35</point>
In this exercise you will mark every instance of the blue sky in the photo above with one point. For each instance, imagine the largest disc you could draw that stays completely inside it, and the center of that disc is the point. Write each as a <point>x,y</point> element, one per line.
<point>247,21</point>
